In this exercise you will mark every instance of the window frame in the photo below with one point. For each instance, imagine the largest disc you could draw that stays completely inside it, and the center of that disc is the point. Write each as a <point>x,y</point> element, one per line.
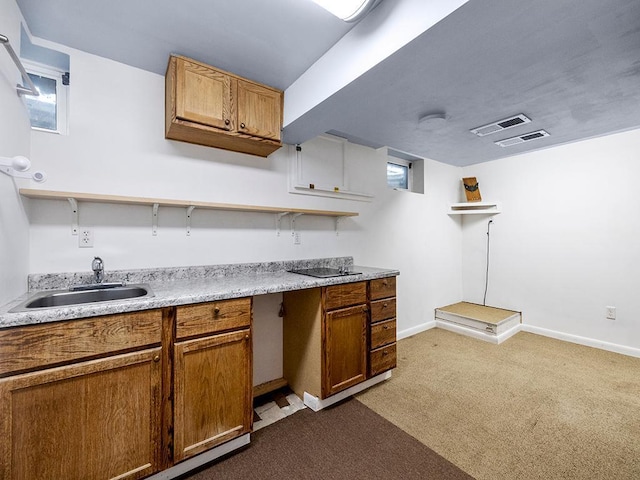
<point>403,163</point>
<point>62,106</point>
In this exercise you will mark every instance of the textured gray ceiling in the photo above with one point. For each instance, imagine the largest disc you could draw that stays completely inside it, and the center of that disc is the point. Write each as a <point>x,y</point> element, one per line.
<point>572,66</point>
<point>272,41</point>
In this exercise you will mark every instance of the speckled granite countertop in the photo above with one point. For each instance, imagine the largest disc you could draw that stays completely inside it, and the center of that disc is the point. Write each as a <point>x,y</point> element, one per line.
<point>181,286</point>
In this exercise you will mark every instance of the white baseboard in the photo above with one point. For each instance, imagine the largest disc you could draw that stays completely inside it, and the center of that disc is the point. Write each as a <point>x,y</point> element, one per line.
<point>315,403</point>
<point>589,342</point>
<point>479,334</point>
<point>199,460</point>
<point>413,330</point>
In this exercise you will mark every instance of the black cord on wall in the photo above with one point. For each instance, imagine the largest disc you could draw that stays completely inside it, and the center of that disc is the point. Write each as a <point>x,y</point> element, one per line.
<point>486,277</point>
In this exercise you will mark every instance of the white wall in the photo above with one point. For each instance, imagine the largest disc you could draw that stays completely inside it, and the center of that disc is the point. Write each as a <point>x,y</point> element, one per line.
<point>116,145</point>
<point>566,245</point>
<point>14,140</point>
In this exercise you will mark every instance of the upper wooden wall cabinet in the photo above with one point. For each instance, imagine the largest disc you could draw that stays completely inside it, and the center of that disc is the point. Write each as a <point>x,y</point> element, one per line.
<point>208,106</point>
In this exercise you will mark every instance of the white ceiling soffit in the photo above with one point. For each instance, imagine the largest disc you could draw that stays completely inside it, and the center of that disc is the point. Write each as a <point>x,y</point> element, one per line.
<point>388,28</point>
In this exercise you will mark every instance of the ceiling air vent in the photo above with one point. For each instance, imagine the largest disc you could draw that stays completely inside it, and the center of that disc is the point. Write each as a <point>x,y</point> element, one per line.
<point>527,137</point>
<point>501,125</point>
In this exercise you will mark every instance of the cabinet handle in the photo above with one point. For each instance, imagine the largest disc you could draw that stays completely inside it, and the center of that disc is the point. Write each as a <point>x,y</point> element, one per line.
<point>384,282</point>
<point>216,312</point>
<point>386,327</point>
<point>242,125</point>
<point>384,305</point>
<point>156,358</point>
<point>384,352</point>
<point>227,122</point>
<point>246,337</point>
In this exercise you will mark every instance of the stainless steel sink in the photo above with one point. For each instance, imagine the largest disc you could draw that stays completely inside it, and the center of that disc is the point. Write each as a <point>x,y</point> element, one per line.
<point>61,298</point>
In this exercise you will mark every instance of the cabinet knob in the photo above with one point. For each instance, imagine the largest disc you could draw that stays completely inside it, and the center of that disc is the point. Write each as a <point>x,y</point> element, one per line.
<point>384,305</point>
<point>242,125</point>
<point>246,337</point>
<point>216,311</point>
<point>385,283</point>
<point>156,358</point>
<point>227,122</point>
<point>384,352</point>
<point>386,327</point>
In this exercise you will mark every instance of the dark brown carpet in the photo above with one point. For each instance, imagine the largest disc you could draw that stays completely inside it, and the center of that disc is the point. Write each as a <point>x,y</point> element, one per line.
<point>347,441</point>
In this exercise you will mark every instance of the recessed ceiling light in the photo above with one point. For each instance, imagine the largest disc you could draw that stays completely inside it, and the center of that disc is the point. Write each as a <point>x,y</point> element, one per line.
<point>348,10</point>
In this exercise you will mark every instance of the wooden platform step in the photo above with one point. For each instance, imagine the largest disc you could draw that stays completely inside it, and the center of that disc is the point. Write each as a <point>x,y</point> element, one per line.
<point>491,324</point>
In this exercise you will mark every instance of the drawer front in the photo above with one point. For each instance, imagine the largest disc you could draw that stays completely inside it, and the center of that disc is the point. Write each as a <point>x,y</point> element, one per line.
<point>383,309</point>
<point>383,288</point>
<point>383,333</point>
<point>382,359</point>
<point>345,295</point>
<point>36,346</point>
<point>212,317</point>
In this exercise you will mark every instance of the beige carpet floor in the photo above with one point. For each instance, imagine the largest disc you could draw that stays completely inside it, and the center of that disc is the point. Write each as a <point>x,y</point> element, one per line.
<point>530,408</point>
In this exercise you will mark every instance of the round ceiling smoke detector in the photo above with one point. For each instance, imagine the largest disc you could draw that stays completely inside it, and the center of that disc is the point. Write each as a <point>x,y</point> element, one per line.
<point>434,119</point>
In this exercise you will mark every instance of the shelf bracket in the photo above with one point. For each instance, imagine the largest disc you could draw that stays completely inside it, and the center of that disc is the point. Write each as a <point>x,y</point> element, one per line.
<point>74,216</point>
<point>293,222</point>
<point>338,222</point>
<point>190,210</point>
<point>154,220</point>
<point>278,219</point>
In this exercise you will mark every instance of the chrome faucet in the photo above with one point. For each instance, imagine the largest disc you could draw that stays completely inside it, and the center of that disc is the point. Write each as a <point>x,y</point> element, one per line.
<point>97,265</point>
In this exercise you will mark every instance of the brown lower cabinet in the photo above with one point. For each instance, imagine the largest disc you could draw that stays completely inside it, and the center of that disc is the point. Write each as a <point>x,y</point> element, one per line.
<point>345,354</point>
<point>328,334</point>
<point>382,329</point>
<point>81,399</point>
<point>213,392</point>
<point>123,396</point>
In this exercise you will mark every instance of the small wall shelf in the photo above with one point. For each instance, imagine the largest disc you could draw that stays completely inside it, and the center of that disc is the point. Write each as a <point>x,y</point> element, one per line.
<point>474,208</point>
<point>155,203</point>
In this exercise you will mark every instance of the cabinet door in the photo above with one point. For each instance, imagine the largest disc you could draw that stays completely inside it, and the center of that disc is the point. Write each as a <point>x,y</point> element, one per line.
<point>213,392</point>
<point>204,95</point>
<point>345,349</point>
<point>92,420</point>
<point>259,110</point>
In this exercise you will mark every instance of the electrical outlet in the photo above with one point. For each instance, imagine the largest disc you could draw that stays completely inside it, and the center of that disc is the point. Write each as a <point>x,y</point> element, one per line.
<point>611,313</point>
<point>297,239</point>
<point>85,238</point>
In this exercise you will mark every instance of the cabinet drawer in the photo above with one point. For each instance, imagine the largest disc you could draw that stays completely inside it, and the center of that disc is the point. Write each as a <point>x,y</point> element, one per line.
<point>383,288</point>
<point>345,295</point>
<point>383,333</point>
<point>35,346</point>
<point>383,309</point>
<point>212,317</point>
<point>382,359</point>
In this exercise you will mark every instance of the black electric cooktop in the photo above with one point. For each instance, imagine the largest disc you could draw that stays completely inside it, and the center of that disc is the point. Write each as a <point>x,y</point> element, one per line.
<point>324,272</point>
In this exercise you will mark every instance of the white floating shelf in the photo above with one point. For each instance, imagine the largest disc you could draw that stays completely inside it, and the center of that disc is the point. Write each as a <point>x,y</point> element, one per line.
<point>126,200</point>
<point>155,203</point>
<point>474,208</point>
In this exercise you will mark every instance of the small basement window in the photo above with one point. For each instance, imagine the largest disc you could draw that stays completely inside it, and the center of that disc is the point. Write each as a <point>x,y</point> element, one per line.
<point>48,111</point>
<point>399,174</point>
<point>405,172</point>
